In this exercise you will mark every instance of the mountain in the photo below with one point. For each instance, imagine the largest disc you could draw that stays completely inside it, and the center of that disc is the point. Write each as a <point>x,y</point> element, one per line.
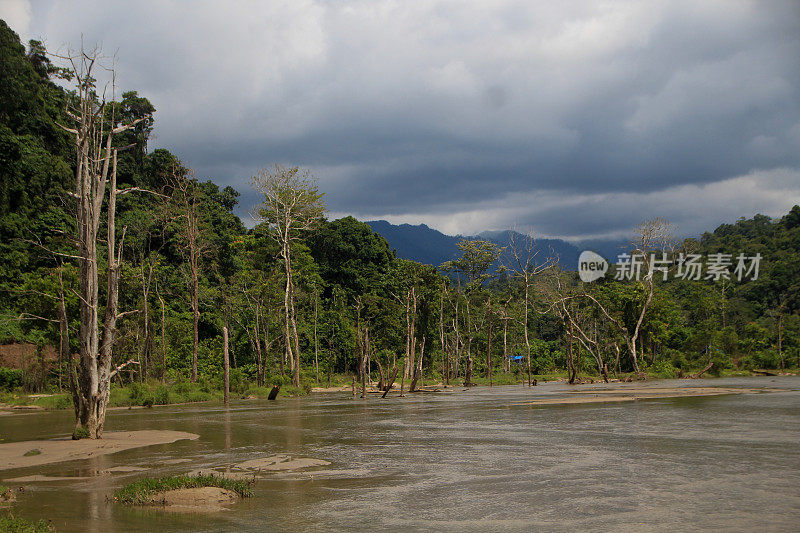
<point>429,246</point>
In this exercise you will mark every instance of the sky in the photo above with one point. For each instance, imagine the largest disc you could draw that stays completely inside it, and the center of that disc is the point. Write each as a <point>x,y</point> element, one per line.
<point>568,119</point>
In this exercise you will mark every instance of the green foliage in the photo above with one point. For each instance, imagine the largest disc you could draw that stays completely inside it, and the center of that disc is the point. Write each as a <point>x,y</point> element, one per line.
<point>16,524</point>
<point>140,492</point>
<point>56,401</point>
<point>154,393</point>
<point>664,370</point>
<point>10,378</point>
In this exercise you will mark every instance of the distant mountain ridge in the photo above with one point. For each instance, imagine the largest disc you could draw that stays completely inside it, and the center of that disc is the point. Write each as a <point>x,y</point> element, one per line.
<point>429,246</point>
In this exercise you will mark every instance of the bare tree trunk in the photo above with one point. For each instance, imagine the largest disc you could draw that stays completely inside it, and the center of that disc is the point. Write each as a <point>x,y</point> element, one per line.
<point>64,352</point>
<point>780,336</point>
<point>571,374</point>
<point>296,339</point>
<point>226,366</point>
<point>330,361</point>
<point>441,337</point>
<point>363,369</point>
<point>368,347</point>
<point>189,191</point>
<point>94,161</point>
<point>403,378</point>
<point>505,336</point>
<point>418,368</point>
<point>527,339</point>
<point>316,342</point>
<point>163,338</point>
<point>489,344</point>
<point>381,376</point>
<point>468,365</point>
<point>292,338</point>
<point>257,342</point>
<point>390,383</point>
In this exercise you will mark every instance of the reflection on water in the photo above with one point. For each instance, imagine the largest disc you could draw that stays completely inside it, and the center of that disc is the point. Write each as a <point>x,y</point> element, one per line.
<point>474,460</point>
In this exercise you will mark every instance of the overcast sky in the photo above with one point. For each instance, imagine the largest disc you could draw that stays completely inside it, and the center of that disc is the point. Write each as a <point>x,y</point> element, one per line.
<point>569,119</point>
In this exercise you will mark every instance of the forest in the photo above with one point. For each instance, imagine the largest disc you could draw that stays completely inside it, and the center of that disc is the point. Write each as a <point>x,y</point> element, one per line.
<point>301,301</point>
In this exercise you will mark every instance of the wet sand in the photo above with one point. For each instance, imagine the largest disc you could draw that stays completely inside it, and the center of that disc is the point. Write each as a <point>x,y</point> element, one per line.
<point>195,500</point>
<point>634,394</point>
<point>259,466</point>
<point>12,454</point>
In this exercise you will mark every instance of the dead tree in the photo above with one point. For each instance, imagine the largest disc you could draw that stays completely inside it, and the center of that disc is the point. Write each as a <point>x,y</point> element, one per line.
<point>571,307</point>
<point>445,356</point>
<point>292,206</point>
<point>193,246</point>
<point>95,126</point>
<point>521,260</point>
<point>418,367</point>
<point>489,342</point>
<point>316,340</point>
<point>226,366</point>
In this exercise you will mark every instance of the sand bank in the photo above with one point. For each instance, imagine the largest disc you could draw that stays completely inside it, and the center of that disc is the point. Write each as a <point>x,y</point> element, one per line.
<point>196,500</point>
<point>633,394</point>
<point>12,454</point>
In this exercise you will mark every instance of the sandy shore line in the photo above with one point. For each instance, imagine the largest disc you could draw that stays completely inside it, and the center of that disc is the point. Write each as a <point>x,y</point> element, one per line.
<point>12,454</point>
<point>634,394</point>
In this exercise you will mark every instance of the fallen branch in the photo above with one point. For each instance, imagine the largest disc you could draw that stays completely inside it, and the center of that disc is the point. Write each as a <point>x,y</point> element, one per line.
<point>706,369</point>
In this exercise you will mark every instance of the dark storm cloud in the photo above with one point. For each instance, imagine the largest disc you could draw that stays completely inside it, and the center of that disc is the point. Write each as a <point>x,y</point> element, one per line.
<point>573,119</point>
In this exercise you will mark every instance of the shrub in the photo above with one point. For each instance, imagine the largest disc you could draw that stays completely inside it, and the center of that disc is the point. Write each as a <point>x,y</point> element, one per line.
<point>15,524</point>
<point>161,395</point>
<point>10,378</point>
<point>664,369</point>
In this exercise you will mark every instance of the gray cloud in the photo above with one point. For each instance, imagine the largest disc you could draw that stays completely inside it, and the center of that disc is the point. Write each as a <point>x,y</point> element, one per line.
<point>571,118</point>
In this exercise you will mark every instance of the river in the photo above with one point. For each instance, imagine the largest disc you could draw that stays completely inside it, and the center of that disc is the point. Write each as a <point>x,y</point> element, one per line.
<point>477,460</point>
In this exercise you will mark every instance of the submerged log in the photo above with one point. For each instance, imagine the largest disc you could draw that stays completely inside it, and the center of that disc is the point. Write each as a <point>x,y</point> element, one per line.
<point>763,373</point>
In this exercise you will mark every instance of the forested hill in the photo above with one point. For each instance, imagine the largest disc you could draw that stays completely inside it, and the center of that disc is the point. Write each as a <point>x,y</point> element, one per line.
<point>777,289</point>
<point>431,247</point>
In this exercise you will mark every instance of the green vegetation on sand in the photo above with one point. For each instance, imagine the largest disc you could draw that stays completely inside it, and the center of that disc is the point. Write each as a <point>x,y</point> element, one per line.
<point>141,491</point>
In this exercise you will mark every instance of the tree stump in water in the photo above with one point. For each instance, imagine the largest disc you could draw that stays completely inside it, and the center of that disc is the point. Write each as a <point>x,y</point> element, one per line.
<point>390,384</point>
<point>274,392</point>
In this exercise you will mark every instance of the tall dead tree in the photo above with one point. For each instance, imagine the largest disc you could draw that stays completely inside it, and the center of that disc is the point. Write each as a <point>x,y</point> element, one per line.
<point>652,237</point>
<point>445,355</point>
<point>95,126</point>
<point>292,206</point>
<point>193,246</point>
<point>226,366</point>
<point>521,258</point>
<point>489,342</point>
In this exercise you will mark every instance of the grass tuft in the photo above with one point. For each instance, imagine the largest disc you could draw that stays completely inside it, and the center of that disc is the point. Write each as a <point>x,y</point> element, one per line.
<point>140,492</point>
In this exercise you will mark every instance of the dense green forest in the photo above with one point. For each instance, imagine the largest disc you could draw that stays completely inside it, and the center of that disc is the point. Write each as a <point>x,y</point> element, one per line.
<point>190,268</point>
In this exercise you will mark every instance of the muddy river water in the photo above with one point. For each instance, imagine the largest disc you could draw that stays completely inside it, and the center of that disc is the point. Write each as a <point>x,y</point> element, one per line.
<point>478,460</point>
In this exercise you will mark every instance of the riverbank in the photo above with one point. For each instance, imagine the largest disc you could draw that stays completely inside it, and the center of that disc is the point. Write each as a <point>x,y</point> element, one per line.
<point>143,395</point>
